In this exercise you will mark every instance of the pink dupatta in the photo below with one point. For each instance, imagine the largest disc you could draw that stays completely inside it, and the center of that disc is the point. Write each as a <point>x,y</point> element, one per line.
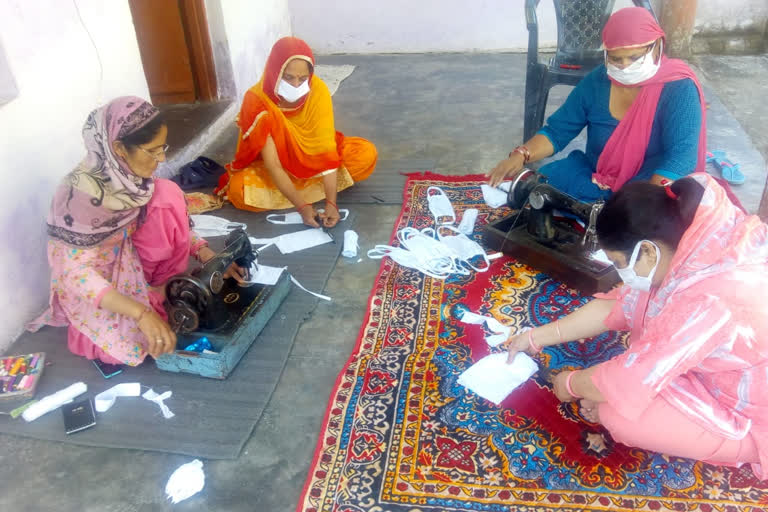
<point>624,152</point>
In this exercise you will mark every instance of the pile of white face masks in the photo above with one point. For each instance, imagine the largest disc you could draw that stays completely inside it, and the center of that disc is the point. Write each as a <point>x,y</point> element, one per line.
<point>442,251</point>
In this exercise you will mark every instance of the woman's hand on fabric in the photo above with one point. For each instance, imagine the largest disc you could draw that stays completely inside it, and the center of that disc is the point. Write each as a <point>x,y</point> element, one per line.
<point>331,216</point>
<point>560,389</point>
<point>507,167</point>
<point>236,272</point>
<point>309,216</point>
<point>517,343</point>
<point>160,338</point>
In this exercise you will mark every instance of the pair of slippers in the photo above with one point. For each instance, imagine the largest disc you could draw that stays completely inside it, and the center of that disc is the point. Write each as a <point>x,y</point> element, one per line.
<point>199,173</point>
<point>728,169</point>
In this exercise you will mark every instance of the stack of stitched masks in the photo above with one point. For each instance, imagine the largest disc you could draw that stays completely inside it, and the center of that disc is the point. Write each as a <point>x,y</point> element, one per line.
<point>440,251</point>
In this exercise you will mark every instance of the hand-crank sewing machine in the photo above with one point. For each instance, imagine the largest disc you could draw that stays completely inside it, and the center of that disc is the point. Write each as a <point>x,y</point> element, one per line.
<point>229,315</point>
<point>544,233</point>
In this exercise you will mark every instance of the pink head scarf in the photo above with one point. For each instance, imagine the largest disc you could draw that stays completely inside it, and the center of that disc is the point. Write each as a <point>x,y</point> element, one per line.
<point>102,195</point>
<point>624,153</point>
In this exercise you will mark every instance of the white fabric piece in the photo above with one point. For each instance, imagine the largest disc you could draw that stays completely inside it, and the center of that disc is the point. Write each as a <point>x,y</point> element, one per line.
<point>505,186</point>
<point>501,331</point>
<point>440,206</point>
<point>493,196</point>
<point>295,217</point>
<point>159,400</point>
<point>466,250</point>
<point>493,379</point>
<point>54,401</point>
<point>106,399</point>
<point>264,274</point>
<point>318,295</point>
<point>262,241</point>
<point>301,240</point>
<point>350,244</point>
<point>421,251</point>
<point>186,481</point>
<point>467,224</point>
<point>211,225</point>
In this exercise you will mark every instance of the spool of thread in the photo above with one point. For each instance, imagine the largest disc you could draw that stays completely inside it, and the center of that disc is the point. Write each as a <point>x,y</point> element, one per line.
<point>467,224</point>
<point>54,401</point>
<point>350,244</point>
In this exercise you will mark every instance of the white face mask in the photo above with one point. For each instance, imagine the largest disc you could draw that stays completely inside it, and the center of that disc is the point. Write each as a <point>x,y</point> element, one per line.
<point>440,206</point>
<point>290,93</point>
<point>630,277</point>
<point>466,249</point>
<point>211,225</point>
<point>639,71</point>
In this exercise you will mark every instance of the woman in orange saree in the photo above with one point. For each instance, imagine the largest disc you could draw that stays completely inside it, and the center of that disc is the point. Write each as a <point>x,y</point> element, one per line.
<point>289,153</point>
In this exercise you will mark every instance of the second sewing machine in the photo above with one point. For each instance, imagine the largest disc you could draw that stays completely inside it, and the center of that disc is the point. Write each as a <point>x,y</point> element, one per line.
<point>552,232</point>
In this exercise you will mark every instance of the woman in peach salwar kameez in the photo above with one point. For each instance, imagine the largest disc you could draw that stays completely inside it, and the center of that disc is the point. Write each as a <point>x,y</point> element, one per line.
<point>116,236</point>
<point>694,380</point>
<point>289,153</point>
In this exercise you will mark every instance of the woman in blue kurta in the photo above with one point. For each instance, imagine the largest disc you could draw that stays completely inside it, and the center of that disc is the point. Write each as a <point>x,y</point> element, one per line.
<point>643,113</point>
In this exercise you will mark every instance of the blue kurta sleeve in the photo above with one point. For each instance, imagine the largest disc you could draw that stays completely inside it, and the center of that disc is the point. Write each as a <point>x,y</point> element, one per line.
<point>568,120</point>
<point>678,119</point>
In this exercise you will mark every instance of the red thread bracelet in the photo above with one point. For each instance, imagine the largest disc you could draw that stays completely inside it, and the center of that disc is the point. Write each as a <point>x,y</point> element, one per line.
<point>568,385</point>
<point>332,204</point>
<point>536,349</point>
<point>302,206</point>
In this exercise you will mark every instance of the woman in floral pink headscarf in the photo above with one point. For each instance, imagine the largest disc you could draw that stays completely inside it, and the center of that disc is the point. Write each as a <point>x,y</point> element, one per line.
<point>694,380</point>
<point>116,235</point>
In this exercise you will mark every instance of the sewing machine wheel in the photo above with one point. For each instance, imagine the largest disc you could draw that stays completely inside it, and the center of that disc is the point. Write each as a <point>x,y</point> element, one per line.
<point>183,319</point>
<point>216,282</point>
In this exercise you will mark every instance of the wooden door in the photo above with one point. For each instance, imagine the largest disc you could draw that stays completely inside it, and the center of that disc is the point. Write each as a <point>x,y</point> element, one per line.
<point>175,50</point>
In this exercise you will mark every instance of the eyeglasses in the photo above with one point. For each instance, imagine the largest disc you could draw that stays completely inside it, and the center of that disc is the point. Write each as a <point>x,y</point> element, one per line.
<point>631,58</point>
<point>156,152</point>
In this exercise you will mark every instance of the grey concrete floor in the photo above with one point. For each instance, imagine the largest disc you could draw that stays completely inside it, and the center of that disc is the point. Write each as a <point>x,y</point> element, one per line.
<point>465,112</point>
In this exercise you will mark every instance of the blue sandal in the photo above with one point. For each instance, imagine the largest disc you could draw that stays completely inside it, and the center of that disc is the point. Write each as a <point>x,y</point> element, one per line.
<point>728,169</point>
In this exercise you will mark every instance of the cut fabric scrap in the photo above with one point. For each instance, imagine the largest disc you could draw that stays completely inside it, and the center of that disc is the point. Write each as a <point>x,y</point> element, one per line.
<point>295,217</point>
<point>493,379</point>
<point>301,240</point>
<point>501,331</point>
<point>186,481</point>
<point>264,274</point>
<point>106,399</point>
<point>318,295</point>
<point>160,401</point>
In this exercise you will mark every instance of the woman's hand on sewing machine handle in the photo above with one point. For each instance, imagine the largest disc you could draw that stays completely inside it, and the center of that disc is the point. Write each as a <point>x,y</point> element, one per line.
<point>236,272</point>
<point>507,167</point>
<point>160,338</point>
<point>517,343</point>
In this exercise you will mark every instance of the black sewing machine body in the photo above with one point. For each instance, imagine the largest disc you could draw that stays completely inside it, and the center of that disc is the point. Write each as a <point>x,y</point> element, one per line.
<point>230,315</point>
<point>534,235</point>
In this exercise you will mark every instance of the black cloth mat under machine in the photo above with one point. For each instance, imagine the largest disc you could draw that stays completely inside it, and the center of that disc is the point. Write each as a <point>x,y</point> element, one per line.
<point>213,419</point>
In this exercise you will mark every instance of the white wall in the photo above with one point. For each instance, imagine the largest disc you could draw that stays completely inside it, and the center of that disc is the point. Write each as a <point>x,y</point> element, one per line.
<point>416,26</point>
<point>57,74</point>
<point>731,15</point>
<point>252,27</point>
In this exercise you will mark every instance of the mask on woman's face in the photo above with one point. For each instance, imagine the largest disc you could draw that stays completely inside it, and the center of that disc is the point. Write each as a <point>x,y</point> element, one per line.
<point>639,71</point>
<point>630,277</point>
<point>290,93</point>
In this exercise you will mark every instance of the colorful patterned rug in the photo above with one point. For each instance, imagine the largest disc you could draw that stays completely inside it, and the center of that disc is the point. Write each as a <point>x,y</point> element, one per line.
<point>401,434</point>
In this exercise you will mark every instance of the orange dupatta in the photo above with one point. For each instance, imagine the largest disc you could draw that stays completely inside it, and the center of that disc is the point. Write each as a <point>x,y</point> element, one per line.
<point>305,138</point>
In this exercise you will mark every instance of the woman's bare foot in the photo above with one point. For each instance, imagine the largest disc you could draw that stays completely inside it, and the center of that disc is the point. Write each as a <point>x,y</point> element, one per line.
<point>589,410</point>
